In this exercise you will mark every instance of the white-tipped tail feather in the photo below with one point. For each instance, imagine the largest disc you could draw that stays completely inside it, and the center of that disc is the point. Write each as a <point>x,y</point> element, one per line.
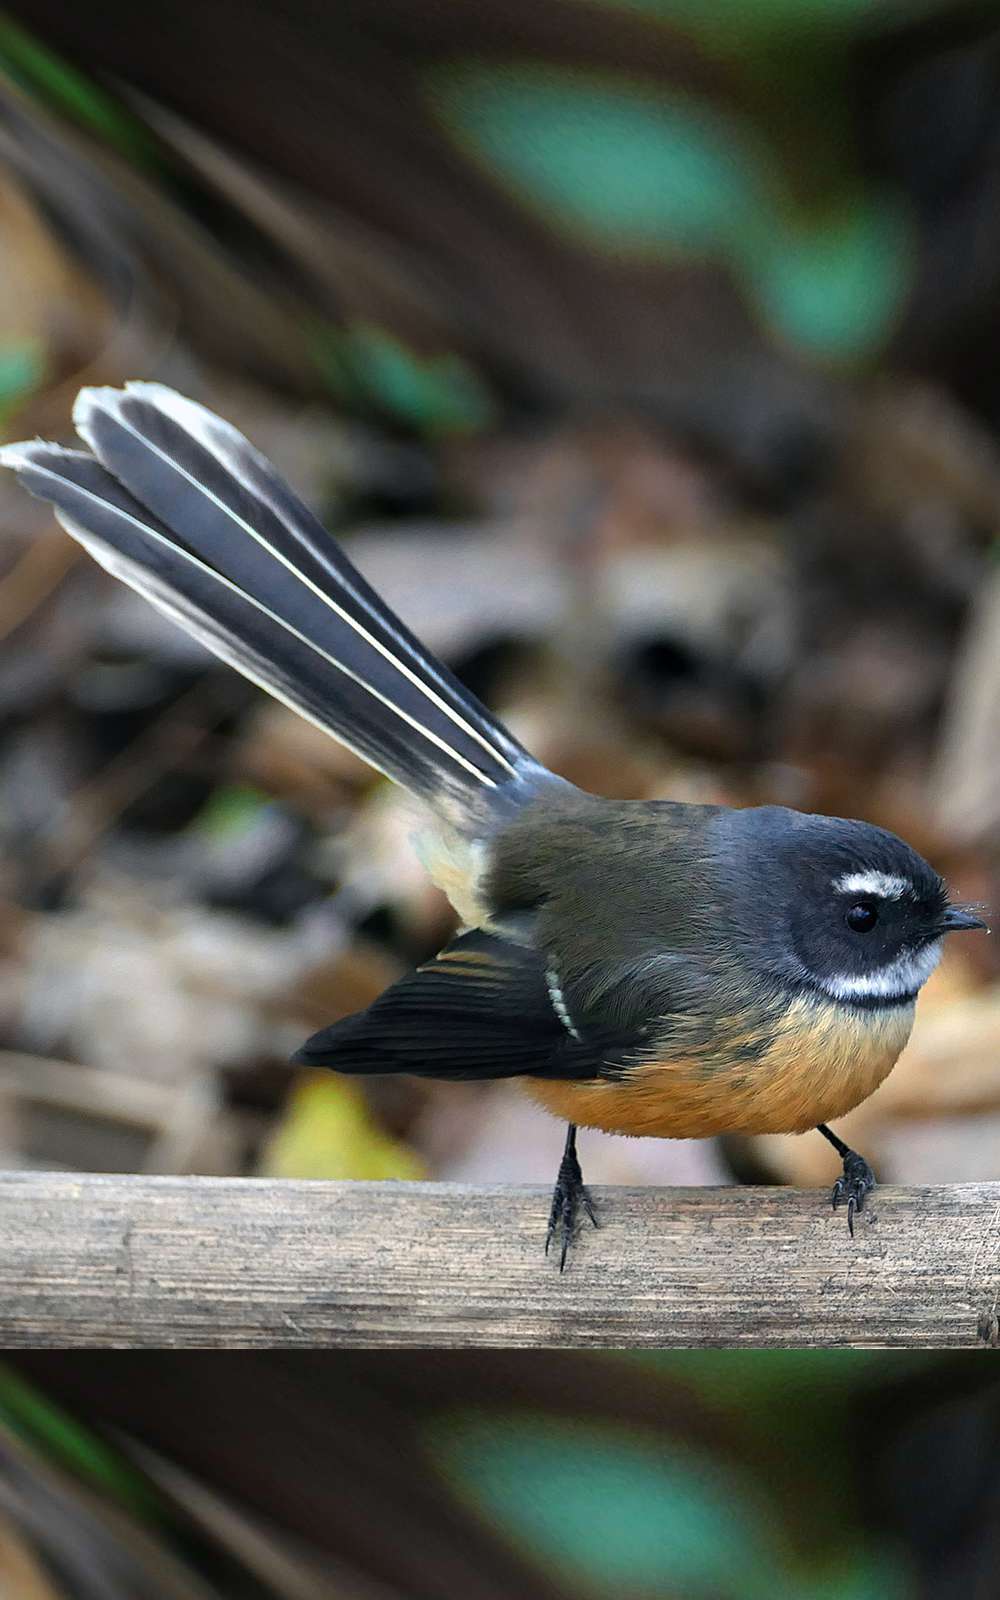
<point>177,504</point>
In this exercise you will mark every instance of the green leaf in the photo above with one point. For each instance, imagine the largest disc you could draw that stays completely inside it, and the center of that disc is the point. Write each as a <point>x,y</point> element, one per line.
<point>33,1417</point>
<point>755,1379</point>
<point>614,163</point>
<point>613,1510</point>
<point>230,810</point>
<point>640,172</point>
<point>39,70</point>
<point>782,18</point>
<point>441,393</point>
<point>22,368</point>
<point>835,283</point>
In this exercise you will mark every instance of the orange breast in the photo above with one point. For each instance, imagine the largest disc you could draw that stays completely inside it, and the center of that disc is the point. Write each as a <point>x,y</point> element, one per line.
<point>825,1060</point>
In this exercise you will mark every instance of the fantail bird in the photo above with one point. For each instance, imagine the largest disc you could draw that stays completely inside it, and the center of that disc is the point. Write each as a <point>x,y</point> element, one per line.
<point>644,967</point>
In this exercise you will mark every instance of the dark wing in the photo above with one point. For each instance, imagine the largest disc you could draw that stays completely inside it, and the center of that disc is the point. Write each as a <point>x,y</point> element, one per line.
<point>483,1008</point>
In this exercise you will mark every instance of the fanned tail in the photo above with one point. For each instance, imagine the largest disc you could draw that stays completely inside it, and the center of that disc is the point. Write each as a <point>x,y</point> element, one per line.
<point>177,504</point>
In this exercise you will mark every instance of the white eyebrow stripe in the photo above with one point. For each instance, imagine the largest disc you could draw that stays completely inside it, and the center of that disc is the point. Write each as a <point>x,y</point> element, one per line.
<point>885,885</point>
<point>899,979</point>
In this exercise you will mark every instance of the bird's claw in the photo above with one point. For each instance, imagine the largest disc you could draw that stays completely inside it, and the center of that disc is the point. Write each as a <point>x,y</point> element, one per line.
<point>568,1198</point>
<point>853,1187</point>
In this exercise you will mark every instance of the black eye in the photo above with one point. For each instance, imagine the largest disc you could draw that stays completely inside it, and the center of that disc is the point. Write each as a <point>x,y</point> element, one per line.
<point>861,919</point>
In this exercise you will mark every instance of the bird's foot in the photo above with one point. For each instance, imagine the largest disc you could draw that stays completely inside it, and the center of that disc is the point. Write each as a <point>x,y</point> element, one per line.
<point>568,1199</point>
<point>853,1187</point>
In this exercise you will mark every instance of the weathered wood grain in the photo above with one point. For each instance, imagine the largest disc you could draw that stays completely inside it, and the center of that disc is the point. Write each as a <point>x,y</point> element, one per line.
<point>88,1261</point>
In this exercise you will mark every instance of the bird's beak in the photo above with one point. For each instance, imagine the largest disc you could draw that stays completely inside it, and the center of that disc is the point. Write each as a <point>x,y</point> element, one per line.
<point>957,920</point>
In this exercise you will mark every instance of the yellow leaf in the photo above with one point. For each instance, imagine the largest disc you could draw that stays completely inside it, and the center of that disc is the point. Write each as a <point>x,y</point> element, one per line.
<point>328,1132</point>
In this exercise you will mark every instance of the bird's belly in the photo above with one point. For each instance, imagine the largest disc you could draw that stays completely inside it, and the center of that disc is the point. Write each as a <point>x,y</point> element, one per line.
<point>825,1060</point>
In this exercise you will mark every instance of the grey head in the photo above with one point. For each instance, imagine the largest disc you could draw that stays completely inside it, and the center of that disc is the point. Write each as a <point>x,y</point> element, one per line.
<point>841,907</point>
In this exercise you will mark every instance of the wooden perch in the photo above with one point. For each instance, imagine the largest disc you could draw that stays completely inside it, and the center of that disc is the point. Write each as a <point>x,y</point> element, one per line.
<point>227,1262</point>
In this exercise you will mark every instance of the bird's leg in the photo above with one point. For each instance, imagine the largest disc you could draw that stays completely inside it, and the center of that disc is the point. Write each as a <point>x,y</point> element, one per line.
<point>569,1195</point>
<point>855,1182</point>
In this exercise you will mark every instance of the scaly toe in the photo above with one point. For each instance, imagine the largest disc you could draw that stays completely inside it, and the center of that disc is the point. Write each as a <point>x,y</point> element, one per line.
<point>853,1187</point>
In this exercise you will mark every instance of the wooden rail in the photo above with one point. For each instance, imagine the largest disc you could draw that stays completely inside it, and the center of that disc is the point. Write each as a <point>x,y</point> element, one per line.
<point>95,1261</point>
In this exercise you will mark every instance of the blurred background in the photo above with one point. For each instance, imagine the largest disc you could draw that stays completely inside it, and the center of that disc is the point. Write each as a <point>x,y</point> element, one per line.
<point>645,354</point>
<point>422,1475</point>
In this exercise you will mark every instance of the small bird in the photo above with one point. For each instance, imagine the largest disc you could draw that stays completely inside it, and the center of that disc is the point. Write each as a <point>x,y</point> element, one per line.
<point>644,967</point>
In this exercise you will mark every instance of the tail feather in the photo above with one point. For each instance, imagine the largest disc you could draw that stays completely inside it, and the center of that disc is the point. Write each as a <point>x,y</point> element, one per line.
<point>178,505</point>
